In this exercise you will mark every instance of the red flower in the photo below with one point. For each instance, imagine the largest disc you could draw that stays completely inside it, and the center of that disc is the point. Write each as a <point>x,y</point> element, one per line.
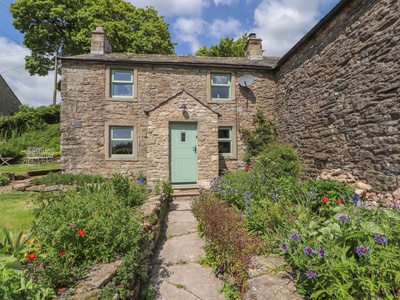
<point>62,253</point>
<point>325,199</point>
<point>247,169</point>
<point>324,207</point>
<point>61,289</point>
<point>339,201</point>
<point>81,232</point>
<point>31,256</point>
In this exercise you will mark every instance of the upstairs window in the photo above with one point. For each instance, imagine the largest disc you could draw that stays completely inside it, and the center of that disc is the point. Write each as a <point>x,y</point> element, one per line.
<point>122,84</point>
<point>121,142</point>
<point>221,87</point>
<point>225,141</point>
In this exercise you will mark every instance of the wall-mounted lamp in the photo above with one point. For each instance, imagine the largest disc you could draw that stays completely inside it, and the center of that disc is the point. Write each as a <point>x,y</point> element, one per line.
<point>183,106</point>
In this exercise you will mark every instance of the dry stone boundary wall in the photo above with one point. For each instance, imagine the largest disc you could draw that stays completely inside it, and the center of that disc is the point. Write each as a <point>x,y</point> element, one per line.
<point>338,95</point>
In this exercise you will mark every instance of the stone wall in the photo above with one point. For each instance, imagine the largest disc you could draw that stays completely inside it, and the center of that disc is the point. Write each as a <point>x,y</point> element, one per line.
<point>338,94</point>
<point>86,112</point>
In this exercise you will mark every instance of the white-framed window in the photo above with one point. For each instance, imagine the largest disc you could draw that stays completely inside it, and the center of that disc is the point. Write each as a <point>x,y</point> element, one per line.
<point>121,142</point>
<point>220,86</point>
<point>225,141</point>
<point>121,84</point>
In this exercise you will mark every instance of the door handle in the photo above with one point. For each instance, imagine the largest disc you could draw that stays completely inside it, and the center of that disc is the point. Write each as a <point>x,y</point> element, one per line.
<point>195,149</point>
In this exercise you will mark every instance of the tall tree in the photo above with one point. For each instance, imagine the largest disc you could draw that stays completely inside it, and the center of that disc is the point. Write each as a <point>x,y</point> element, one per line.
<point>227,47</point>
<point>53,28</point>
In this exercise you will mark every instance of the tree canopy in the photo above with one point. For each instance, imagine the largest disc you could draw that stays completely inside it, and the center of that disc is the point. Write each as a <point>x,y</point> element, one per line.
<point>63,27</point>
<point>227,47</point>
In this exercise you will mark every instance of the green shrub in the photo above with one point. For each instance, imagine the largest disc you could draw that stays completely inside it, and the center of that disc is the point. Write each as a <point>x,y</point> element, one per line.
<point>228,247</point>
<point>132,194</point>
<point>16,143</point>
<point>280,160</point>
<point>353,254</point>
<point>257,139</point>
<point>14,284</point>
<point>80,228</point>
<point>4,180</point>
<point>319,194</point>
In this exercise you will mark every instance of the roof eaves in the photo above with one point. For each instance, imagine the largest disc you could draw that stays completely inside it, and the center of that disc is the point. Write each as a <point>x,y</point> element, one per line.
<point>169,63</point>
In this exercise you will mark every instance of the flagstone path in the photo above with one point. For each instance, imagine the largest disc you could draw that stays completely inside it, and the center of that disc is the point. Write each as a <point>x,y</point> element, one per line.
<point>177,275</point>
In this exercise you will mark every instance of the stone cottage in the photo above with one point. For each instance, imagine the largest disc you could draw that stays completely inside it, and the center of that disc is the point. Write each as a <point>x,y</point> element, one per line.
<point>334,95</point>
<point>9,103</point>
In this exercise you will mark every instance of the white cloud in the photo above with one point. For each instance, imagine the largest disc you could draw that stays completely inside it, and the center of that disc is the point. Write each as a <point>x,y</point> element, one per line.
<point>222,28</point>
<point>192,30</point>
<point>281,23</point>
<point>225,2</point>
<point>31,90</point>
<point>189,30</point>
<point>170,8</point>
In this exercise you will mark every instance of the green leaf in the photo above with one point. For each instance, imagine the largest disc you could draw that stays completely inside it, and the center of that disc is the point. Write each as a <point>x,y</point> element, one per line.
<point>371,228</point>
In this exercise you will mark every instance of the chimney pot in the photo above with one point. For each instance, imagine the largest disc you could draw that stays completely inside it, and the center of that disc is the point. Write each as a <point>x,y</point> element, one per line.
<point>100,43</point>
<point>253,49</point>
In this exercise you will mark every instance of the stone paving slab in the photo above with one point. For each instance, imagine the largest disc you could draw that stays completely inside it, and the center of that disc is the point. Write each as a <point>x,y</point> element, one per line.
<point>272,287</point>
<point>186,280</point>
<point>180,205</point>
<point>177,229</point>
<point>186,248</point>
<point>180,217</point>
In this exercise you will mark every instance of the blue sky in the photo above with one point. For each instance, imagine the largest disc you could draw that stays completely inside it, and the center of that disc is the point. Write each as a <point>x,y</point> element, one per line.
<point>192,24</point>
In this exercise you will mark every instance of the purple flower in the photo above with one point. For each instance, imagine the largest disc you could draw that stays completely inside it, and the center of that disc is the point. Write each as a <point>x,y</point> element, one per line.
<point>309,251</point>
<point>248,203</point>
<point>285,247</point>
<point>380,239</point>
<point>220,269</point>
<point>295,236</point>
<point>311,273</point>
<point>396,206</point>
<point>247,196</point>
<point>322,252</point>
<point>343,218</point>
<point>361,250</point>
<point>248,212</point>
<point>355,198</point>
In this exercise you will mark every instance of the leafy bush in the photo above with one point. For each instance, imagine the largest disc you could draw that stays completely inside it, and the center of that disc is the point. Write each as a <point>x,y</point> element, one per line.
<point>14,284</point>
<point>351,255</point>
<point>130,194</point>
<point>256,140</point>
<point>80,228</point>
<point>4,180</point>
<point>320,194</point>
<point>29,118</point>
<point>68,179</point>
<point>16,143</point>
<point>280,160</point>
<point>228,247</point>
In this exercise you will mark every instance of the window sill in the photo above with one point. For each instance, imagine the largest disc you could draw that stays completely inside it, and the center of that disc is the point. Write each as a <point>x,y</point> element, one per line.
<point>222,101</point>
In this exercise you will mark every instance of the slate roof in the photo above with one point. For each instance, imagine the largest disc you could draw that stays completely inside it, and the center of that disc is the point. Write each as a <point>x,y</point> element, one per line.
<point>267,62</point>
<point>9,103</point>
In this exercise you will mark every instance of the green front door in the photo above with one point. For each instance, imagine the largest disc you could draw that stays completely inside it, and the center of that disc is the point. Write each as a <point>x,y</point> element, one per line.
<point>183,153</point>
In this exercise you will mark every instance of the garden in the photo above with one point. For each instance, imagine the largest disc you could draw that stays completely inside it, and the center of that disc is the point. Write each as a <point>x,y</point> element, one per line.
<point>336,243</point>
<point>93,221</point>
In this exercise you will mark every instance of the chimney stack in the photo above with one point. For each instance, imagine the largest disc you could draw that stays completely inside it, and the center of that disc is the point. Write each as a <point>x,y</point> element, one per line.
<point>100,42</point>
<point>253,49</point>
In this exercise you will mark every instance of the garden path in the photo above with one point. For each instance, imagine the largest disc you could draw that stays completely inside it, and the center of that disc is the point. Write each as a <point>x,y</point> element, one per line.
<point>177,275</point>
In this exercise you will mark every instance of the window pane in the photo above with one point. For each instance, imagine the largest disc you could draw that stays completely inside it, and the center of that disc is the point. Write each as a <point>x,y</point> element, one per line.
<point>122,89</point>
<point>223,133</point>
<point>119,147</point>
<point>183,137</point>
<point>122,75</point>
<point>224,147</point>
<point>122,133</point>
<point>220,92</point>
<point>220,79</point>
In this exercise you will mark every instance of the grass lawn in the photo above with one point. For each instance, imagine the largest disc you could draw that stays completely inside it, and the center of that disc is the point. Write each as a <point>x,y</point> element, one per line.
<point>21,169</point>
<point>15,211</point>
